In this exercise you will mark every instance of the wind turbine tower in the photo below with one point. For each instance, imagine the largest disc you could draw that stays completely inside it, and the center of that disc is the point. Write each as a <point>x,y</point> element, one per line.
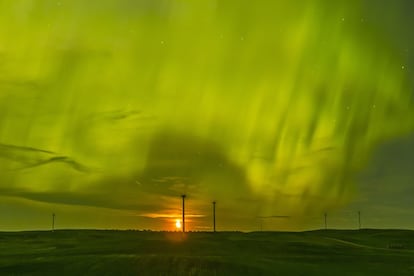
<point>53,222</point>
<point>214,216</point>
<point>183,197</point>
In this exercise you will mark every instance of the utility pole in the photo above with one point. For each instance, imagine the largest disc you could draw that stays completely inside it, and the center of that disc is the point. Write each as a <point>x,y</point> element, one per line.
<point>359,219</point>
<point>326,225</point>
<point>183,196</point>
<point>214,216</point>
<point>53,222</point>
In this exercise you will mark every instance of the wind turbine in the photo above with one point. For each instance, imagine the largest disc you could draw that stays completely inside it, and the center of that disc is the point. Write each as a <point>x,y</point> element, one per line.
<point>53,222</point>
<point>214,216</point>
<point>183,197</point>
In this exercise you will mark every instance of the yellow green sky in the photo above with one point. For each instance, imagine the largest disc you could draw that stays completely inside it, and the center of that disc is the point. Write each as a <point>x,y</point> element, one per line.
<point>111,109</point>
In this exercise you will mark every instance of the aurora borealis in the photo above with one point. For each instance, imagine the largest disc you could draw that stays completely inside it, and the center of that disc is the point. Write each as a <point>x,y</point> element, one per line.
<point>111,109</point>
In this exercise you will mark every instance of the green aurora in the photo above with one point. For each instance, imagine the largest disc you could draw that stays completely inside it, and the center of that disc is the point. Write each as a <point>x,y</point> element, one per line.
<point>111,109</point>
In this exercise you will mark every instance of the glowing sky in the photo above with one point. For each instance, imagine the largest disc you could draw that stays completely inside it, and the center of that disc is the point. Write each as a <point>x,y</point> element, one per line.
<point>111,109</point>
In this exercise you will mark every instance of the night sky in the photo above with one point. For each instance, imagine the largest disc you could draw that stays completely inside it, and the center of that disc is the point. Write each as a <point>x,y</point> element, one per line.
<point>280,111</point>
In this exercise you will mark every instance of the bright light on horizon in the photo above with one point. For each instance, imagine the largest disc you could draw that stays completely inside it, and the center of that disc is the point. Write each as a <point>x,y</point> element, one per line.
<point>178,224</point>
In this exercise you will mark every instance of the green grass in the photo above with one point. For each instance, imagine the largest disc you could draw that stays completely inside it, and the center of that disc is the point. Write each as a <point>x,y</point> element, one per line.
<point>93,252</point>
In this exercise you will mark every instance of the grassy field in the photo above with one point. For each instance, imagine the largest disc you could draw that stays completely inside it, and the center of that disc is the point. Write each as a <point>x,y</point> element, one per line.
<point>97,252</point>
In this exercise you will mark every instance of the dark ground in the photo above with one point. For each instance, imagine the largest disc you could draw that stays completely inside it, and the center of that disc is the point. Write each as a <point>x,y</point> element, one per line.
<point>98,252</point>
